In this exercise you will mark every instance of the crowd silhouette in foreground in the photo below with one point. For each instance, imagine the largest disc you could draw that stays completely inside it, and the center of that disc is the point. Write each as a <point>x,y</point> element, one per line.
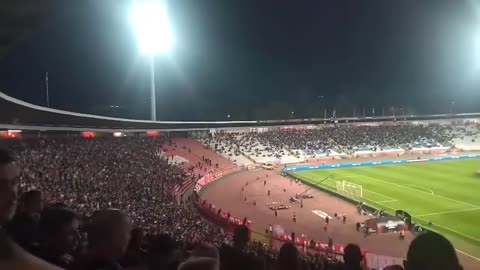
<point>108,204</point>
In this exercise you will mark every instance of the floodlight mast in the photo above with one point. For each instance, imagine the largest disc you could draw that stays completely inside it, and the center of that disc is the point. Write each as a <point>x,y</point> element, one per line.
<point>149,18</point>
<point>153,102</point>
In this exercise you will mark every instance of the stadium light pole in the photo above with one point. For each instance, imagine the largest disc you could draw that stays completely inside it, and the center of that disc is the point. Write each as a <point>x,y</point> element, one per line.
<point>150,22</point>
<point>153,102</point>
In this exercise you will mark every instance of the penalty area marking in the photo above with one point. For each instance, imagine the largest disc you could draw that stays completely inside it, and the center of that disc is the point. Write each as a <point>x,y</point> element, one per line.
<point>422,187</point>
<point>417,190</point>
<point>389,199</point>
<point>386,206</point>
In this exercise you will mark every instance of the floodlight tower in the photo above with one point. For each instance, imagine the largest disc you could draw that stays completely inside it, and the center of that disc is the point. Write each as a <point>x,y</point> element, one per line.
<point>150,21</point>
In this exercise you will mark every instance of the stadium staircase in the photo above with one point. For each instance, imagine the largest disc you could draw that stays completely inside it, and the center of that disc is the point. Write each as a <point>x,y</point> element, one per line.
<point>194,152</point>
<point>198,150</point>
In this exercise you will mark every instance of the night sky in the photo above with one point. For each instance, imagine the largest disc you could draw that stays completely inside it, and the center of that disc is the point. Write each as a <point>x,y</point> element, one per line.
<point>257,59</point>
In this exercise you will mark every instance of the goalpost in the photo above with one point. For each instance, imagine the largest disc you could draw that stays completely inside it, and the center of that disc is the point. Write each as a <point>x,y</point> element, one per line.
<point>349,189</point>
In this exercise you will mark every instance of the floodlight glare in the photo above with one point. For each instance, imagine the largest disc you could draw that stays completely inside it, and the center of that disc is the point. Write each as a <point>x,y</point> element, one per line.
<point>150,21</point>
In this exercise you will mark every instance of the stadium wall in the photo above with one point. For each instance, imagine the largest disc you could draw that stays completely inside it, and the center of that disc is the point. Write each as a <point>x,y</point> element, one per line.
<point>374,163</point>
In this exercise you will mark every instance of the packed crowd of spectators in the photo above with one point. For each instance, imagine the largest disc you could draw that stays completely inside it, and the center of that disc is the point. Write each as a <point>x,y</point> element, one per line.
<point>223,146</point>
<point>93,174</point>
<point>339,138</point>
<point>107,204</point>
<point>248,143</point>
<point>392,136</point>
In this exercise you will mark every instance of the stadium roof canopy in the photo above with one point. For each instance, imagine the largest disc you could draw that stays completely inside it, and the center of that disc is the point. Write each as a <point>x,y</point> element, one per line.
<point>16,114</point>
<point>19,18</point>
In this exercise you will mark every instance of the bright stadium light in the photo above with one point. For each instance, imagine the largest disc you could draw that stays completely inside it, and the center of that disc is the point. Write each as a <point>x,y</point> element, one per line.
<point>150,21</point>
<point>154,36</point>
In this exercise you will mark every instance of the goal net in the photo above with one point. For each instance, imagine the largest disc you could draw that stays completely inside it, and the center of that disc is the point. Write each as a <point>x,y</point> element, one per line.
<point>349,189</point>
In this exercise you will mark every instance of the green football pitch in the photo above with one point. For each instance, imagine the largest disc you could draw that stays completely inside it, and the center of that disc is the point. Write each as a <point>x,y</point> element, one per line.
<point>446,193</point>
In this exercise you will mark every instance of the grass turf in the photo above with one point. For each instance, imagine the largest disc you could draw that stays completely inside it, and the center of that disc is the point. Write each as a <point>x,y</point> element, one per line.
<point>445,193</point>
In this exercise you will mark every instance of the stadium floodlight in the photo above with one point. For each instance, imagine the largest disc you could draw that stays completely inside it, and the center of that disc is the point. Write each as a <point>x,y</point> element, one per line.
<point>150,21</point>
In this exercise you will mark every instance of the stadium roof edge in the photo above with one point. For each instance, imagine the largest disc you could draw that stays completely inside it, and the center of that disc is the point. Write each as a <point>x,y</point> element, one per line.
<point>17,114</point>
<point>37,107</point>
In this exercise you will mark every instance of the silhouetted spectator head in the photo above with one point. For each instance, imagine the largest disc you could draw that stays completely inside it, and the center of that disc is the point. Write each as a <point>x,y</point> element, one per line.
<point>58,230</point>
<point>162,253</point>
<point>109,233</point>
<point>431,251</point>
<point>205,251</point>
<point>9,177</point>
<point>393,267</point>
<point>288,257</point>
<point>352,256</point>
<point>199,263</point>
<point>32,202</point>
<point>241,236</point>
<point>136,238</point>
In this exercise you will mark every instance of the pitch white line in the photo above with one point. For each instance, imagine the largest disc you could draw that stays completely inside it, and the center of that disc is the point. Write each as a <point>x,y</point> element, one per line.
<point>387,201</point>
<point>468,255</point>
<point>389,207</point>
<point>367,190</point>
<point>447,228</point>
<point>388,197</point>
<point>447,212</point>
<point>457,232</point>
<point>431,191</point>
<point>402,186</point>
<point>451,230</point>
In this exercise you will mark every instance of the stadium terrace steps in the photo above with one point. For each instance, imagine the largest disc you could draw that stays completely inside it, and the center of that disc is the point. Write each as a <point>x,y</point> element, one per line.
<point>193,157</point>
<point>199,150</point>
<point>227,151</point>
<point>193,151</point>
